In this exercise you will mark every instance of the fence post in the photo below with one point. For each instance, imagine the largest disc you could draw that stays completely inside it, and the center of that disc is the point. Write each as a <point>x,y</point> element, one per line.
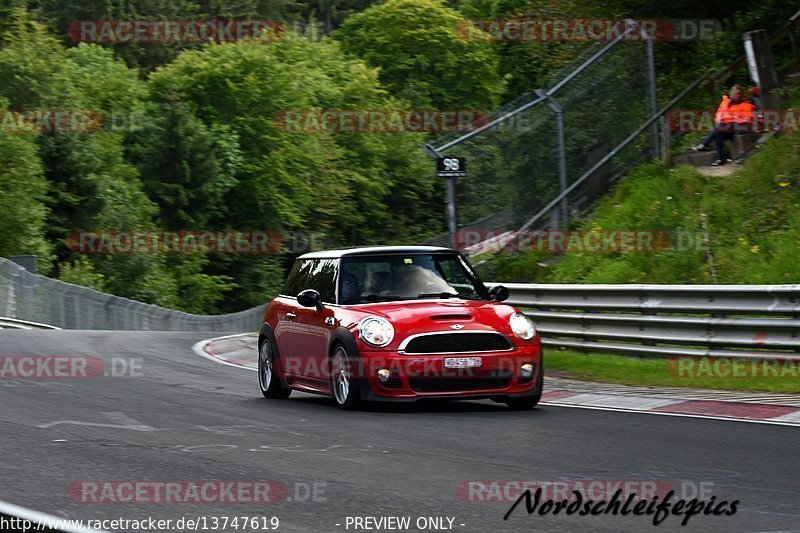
<point>653,100</point>
<point>562,150</point>
<point>762,69</point>
<point>452,225</point>
<point>666,156</point>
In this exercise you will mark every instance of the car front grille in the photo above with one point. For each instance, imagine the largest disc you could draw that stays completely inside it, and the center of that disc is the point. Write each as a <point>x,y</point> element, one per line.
<point>495,379</point>
<point>467,342</point>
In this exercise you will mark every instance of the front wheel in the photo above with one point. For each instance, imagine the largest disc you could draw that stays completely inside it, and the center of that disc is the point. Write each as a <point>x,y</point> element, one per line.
<point>268,381</point>
<point>343,383</point>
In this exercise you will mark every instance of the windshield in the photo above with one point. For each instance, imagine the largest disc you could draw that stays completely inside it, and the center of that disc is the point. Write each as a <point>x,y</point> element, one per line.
<point>407,277</point>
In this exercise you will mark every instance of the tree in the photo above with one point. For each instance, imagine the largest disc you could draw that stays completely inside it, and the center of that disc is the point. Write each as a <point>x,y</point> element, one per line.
<point>185,166</point>
<point>91,186</point>
<point>344,186</point>
<point>425,54</point>
<point>23,187</point>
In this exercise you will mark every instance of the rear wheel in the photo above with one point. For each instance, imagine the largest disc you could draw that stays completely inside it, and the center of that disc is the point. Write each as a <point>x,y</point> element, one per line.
<point>268,381</point>
<point>343,383</point>
<point>528,402</point>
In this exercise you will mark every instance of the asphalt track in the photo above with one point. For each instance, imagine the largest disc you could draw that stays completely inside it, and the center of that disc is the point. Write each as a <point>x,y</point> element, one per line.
<point>188,418</point>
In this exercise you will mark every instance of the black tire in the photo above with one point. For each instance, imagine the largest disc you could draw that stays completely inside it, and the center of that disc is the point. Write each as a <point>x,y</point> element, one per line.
<point>344,386</point>
<point>528,402</point>
<point>268,381</point>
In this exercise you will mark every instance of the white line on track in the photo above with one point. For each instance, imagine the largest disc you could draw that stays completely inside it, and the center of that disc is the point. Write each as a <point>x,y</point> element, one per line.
<point>199,349</point>
<point>774,422</point>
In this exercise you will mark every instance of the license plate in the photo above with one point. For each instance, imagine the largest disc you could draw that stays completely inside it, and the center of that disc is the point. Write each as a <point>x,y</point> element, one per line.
<point>462,362</point>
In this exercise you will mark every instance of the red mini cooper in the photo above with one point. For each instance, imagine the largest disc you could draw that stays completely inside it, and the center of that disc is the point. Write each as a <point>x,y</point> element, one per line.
<point>396,324</point>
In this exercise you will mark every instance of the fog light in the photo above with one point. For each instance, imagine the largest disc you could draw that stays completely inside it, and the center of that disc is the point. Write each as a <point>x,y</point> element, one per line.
<point>526,371</point>
<point>384,375</point>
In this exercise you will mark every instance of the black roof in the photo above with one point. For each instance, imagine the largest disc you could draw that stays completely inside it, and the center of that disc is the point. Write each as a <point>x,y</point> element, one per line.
<point>375,250</point>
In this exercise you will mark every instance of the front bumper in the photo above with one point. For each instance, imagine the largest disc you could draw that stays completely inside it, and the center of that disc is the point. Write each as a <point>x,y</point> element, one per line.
<point>414,377</point>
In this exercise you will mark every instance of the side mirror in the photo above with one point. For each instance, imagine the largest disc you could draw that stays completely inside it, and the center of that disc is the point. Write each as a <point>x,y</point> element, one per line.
<point>498,293</point>
<point>310,298</point>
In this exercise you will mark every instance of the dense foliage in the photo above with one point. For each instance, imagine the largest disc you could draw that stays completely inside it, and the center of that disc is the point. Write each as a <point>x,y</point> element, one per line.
<point>186,136</point>
<point>741,228</point>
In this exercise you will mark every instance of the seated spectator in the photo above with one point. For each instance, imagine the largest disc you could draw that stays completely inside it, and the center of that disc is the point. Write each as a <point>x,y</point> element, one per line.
<point>734,115</point>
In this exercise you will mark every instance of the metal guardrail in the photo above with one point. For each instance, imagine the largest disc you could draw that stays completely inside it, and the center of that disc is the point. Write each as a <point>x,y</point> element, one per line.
<point>39,299</point>
<point>750,321</point>
<point>746,321</point>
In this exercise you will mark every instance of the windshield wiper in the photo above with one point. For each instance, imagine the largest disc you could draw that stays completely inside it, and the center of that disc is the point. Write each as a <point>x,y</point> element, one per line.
<point>380,297</point>
<point>438,295</point>
<point>447,295</point>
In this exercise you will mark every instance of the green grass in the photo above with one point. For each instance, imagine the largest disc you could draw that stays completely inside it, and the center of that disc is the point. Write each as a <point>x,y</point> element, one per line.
<point>667,372</point>
<point>752,218</point>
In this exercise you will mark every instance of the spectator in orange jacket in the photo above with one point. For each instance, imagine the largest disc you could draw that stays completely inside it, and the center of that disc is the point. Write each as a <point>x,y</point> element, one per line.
<point>734,115</point>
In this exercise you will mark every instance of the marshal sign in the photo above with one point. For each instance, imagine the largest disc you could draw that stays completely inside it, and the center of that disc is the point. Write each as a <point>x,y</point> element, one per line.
<point>451,167</point>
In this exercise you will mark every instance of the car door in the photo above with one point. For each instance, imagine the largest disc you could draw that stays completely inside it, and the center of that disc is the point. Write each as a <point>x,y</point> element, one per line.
<point>309,336</point>
<point>286,312</point>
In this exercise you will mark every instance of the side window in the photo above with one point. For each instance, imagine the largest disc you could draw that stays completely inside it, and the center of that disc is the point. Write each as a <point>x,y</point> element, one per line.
<point>455,275</point>
<point>296,280</point>
<point>321,276</point>
<point>317,274</point>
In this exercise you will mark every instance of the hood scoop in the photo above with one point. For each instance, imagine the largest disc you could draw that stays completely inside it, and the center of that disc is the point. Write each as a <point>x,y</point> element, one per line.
<point>452,317</point>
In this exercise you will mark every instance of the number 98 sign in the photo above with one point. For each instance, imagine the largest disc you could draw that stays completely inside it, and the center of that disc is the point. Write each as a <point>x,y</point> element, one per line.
<point>451,167</point>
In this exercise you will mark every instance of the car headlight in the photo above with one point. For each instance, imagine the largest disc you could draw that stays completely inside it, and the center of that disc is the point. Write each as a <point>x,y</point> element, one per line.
<point>522,326</point>
<point>376,331</point>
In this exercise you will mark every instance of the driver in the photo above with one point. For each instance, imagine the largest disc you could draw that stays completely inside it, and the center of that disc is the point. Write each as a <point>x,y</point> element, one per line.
<point>350,286</point>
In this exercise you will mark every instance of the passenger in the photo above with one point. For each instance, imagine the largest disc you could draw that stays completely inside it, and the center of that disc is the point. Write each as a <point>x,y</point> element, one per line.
<point>403,280</point>
<point>734,115</point>
<point>378,283</point>
<point>413,280</point>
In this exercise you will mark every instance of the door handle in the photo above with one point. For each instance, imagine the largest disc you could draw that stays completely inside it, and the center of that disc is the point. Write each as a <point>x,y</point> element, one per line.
<point>291,316</point>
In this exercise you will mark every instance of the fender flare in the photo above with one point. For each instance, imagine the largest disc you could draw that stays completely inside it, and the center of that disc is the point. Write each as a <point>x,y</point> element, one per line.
<point>342,335</point>
<point>267,332</point>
